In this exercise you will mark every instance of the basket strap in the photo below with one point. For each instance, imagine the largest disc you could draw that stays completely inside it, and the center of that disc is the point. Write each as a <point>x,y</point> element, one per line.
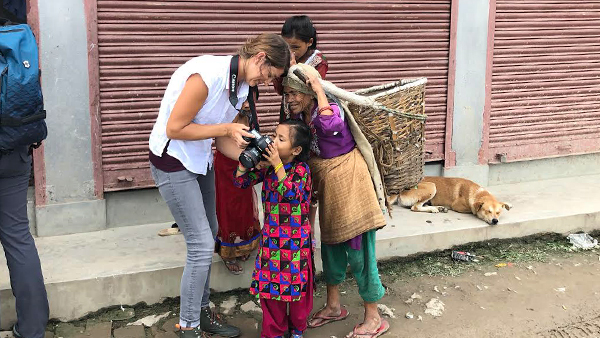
<point>401,113</point>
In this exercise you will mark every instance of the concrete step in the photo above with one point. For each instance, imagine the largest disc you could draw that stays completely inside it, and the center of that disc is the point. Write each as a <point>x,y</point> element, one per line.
<point>88,271</point>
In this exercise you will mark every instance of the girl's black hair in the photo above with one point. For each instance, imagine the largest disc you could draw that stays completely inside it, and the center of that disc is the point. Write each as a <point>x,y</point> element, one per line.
<point>300,27</point>
<point>300,136</point>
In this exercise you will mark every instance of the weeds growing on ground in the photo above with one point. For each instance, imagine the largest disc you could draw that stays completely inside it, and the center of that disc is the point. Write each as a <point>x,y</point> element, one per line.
<point>516,251</point>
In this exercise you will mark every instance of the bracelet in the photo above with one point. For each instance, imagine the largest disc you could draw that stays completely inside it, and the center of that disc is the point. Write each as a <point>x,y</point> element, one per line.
<point>322,109</point>
<point>240,171</point>
<point>279,166</point>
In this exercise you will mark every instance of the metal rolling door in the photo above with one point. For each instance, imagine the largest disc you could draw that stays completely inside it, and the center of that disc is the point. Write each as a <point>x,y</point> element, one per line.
<point>545,98</point>
<point>141,43</point>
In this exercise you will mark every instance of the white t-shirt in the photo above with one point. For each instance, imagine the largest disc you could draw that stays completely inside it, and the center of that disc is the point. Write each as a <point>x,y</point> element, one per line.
<point>197,156</point>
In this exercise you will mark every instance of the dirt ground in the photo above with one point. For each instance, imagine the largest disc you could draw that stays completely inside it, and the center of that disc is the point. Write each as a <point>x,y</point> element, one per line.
<point>544,290</point>
<point>502,306</point>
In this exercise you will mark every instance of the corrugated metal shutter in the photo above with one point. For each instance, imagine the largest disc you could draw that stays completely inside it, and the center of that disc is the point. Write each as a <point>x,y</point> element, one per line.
<point>546,79</point>
<point>141,43</point>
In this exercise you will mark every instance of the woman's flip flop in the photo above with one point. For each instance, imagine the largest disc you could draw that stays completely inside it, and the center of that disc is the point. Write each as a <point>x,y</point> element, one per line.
<point>383,328</point>
<point>324,320</point>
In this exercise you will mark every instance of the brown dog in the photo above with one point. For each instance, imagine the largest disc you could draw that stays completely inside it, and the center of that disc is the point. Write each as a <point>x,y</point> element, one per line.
<point>457,194</point>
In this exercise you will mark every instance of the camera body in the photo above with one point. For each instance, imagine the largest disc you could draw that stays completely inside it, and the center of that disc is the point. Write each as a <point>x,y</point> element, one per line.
<point>253,153</point>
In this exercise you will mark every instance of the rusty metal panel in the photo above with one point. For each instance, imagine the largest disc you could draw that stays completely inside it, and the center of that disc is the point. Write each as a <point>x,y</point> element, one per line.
<point>141,43</point>
<point>545,99</point>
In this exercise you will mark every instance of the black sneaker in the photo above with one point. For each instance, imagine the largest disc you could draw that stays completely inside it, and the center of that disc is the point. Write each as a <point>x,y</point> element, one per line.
<point>213,324</point>
<point>193,333</point>
<point>16,333</point>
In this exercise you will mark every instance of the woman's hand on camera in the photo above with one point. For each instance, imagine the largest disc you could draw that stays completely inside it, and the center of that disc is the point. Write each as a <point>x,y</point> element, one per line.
<point>237,132</point>
<point>272,155</point>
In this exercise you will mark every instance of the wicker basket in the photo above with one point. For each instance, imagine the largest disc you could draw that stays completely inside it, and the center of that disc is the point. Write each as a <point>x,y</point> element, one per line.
<point>396,131</point>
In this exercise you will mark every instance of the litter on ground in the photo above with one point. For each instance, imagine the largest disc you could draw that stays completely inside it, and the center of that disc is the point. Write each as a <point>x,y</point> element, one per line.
<point>386,311</point>
<point>412,298</point>
<point>582,241</point>
<point>435,307</point>
<point>503,265</point>
<point>150,320</point>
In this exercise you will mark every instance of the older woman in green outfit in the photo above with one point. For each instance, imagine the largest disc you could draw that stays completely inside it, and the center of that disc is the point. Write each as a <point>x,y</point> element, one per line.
<point>348,188</point>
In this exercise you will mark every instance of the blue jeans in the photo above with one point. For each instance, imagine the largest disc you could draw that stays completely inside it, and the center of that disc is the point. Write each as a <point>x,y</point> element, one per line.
<point>191,199</point>
<point>22,257</point>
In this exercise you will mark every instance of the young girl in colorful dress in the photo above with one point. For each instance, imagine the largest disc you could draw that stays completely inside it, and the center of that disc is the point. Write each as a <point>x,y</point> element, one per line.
<point>283,271</point>
<point>301,35</point>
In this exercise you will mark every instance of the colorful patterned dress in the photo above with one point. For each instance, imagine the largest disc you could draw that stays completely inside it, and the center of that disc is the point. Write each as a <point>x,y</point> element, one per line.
<point>282,268</point>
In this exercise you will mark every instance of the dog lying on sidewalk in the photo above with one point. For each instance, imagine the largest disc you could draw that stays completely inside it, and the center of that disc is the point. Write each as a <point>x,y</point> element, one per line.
<point>458,194</point>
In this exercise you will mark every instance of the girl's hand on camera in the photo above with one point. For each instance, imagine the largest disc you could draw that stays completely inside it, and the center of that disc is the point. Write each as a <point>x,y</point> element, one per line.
<point>272,155</point>
<point>262,164</point>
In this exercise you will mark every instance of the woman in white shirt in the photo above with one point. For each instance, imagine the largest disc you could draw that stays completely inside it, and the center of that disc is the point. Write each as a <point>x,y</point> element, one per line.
<point>198,106</point>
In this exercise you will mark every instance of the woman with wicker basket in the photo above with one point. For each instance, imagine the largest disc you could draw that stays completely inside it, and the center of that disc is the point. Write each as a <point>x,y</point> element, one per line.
<point>349,207</point>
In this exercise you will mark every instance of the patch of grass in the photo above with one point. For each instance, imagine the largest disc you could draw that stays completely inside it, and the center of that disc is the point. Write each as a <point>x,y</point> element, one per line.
<point>439,263</point>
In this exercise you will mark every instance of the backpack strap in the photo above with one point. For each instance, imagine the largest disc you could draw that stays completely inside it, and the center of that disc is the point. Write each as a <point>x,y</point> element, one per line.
<point>9,121</point>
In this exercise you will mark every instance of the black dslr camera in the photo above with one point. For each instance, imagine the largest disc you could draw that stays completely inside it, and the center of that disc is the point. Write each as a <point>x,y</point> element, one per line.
<point>253,153</point>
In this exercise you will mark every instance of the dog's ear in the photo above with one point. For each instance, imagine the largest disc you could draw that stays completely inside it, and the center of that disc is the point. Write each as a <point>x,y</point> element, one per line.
<point>507,206</point>
<point>478,206</point>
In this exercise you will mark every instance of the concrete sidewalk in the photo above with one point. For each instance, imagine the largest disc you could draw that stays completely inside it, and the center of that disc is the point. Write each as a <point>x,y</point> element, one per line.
<point>88,271</point>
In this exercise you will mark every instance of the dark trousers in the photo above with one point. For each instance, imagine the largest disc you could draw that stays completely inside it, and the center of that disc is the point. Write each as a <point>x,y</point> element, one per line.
<point>22,257</point>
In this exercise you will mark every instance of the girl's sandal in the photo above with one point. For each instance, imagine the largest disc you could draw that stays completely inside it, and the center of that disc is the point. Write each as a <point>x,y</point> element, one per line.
<point>233,266</point>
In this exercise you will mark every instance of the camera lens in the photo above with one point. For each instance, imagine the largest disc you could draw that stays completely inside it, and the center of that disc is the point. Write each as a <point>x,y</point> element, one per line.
<point>253,154</point>
<point>250,157</point>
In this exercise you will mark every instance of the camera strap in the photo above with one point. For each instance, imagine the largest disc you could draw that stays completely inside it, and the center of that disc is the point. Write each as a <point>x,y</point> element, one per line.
<point>233,89</point>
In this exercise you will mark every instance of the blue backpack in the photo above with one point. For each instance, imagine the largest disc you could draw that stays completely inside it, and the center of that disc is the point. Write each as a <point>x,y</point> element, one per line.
<point>22,111</point>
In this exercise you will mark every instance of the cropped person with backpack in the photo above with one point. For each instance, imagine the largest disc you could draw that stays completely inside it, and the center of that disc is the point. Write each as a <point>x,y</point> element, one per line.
<point>21,127</point>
